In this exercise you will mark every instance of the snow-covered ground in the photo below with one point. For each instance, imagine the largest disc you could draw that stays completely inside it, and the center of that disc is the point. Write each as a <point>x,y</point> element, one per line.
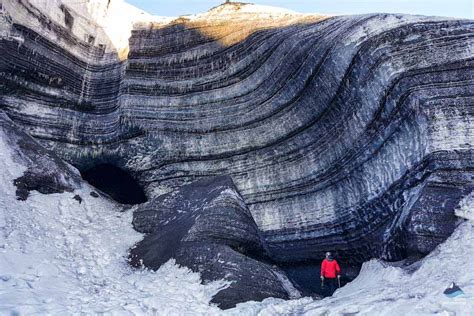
<point>61,257</point>
<point>381,289</point>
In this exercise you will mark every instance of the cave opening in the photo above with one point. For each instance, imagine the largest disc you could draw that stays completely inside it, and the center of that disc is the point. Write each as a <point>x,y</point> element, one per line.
<point>115,182</point>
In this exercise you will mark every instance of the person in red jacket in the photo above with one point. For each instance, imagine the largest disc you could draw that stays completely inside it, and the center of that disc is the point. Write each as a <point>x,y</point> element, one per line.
<point>330,273</point>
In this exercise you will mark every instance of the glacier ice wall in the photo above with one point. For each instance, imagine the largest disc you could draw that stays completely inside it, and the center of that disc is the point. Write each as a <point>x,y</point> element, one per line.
<point>346,133</point>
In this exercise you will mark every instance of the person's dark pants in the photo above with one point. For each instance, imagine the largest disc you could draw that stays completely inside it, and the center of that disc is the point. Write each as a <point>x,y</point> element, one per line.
<point>330,285</point>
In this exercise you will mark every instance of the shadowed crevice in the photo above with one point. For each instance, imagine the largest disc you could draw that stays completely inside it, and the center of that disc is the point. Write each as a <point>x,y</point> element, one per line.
<point>116,182</point>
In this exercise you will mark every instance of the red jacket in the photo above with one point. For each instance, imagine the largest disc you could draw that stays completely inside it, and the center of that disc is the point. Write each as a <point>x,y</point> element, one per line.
<point>330,269</point>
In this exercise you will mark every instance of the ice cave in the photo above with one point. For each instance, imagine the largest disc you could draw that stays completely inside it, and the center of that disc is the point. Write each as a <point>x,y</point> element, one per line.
<point>206,164</point>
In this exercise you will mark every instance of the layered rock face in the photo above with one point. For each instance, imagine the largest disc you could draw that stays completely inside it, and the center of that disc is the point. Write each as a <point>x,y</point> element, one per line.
<point>350,133</point>
<point>332,131</point>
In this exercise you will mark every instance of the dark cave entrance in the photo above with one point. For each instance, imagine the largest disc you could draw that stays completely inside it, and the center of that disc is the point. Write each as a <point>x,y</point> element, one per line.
<point>116,182</point>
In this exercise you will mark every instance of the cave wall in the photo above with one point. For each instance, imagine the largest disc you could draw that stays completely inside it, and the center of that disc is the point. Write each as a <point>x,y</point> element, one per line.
<point>335,130</point>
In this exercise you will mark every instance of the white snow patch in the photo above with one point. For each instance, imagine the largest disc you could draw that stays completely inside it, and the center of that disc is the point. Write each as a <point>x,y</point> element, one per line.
<point>251,8</point>
<point>248,10</point>
<point>466,208</point>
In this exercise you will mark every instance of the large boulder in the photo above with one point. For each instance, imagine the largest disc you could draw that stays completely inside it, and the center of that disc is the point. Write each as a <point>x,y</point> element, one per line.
<point>207,227</point>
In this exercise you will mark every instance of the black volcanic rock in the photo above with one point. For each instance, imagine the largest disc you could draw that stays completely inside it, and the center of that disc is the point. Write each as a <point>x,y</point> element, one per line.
<point>207,227</point>
<point>251,280</point>
<point>46,172</point>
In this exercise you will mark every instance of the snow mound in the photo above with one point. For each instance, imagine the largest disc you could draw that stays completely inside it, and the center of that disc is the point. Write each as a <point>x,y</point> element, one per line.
<point>249,12</point>
<point>231,8</point>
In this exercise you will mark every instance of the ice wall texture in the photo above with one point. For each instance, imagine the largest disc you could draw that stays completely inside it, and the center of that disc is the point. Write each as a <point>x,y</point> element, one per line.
<point>347,133</point>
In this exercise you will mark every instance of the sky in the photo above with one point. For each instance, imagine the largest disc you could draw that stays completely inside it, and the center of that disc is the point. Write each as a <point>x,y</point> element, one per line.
<point>453,8</point>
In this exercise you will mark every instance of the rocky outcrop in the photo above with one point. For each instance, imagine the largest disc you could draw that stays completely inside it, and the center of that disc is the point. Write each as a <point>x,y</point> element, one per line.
<point>207,227</point>
<point>348,133</point>
<point>46,172</point>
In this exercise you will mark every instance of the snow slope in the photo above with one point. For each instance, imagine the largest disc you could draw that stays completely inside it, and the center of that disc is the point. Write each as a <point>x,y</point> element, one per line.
<point>61,257</point>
